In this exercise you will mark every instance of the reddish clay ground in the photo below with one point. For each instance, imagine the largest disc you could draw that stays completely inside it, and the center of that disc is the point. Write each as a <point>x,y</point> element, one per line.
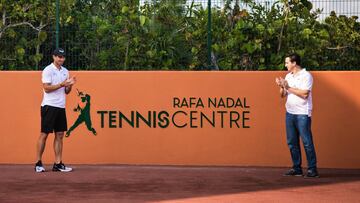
<point>117,183</point>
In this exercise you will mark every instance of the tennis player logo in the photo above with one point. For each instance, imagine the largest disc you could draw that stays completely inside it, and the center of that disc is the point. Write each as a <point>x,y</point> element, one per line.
<point>83,108</point>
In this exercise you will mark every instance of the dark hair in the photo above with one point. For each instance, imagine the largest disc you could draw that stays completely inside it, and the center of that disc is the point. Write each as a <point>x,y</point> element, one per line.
<point>295,58</point>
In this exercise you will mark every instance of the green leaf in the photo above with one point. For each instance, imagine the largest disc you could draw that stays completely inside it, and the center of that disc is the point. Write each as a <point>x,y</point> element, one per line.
<point>194,50</point>
<point>216,47</point>
<point>68,19</point>
<point>260,28</point>
<point>324,34</point>
<point>37,57</point>
<point>262,60</point>
<point>271,31</point>
<point>150,53</point>
<point>124,9</point>
<point>42,36</point>
<point>20,51</point>
<point>142,20</point>
<point>249,47</point>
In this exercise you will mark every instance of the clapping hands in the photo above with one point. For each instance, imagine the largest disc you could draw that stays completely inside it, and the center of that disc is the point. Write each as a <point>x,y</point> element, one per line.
<point>69,82</point>
<point>281,82</point>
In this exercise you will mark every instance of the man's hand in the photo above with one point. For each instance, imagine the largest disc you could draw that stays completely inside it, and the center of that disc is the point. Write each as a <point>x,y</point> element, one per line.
<point>65,83</point>
<point>70,82</point>
<point>282,83</point>
<point>285,84</point>
<point>277,81</point>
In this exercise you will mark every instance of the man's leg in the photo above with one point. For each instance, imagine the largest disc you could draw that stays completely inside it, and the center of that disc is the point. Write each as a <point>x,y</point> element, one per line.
<point>47,126</point>
<point>304,123</point>
<point>58,146</point>
<point>41,145</point>
<point>292,136</point>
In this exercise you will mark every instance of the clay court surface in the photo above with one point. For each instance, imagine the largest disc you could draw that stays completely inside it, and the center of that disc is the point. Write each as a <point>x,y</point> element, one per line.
<point>122,183</point>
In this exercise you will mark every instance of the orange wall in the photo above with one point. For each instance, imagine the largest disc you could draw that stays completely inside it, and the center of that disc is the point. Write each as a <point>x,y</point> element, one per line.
<point>336,119</point>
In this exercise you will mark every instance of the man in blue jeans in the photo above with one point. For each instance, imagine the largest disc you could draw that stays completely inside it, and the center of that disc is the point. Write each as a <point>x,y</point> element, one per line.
<point>297,87</point>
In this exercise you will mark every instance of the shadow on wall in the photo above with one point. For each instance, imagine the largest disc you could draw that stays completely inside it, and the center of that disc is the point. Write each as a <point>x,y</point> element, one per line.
<point>336,118</point>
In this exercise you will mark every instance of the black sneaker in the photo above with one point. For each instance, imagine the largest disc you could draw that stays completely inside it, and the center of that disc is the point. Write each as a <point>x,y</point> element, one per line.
<point>312,174</point>
<point>293,172</point>
<point>61,167</point>
<point>39,167</point>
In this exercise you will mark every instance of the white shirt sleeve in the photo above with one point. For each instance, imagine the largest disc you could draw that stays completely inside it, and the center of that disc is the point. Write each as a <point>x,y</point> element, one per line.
<point>46,76</point>
<point>306,82</point>
<point>287,77</point>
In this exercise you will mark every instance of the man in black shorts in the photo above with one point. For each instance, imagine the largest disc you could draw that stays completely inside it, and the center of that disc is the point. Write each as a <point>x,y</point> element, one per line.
<point>56,84</point>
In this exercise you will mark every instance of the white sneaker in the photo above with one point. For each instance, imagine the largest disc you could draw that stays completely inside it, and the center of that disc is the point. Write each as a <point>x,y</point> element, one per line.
<point>39,167</point>
<point>61,167</point>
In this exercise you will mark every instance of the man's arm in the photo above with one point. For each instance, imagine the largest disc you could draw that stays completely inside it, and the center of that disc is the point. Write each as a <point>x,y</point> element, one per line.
<point>68,89</point>
<point>304,94</point>
<point>283,92</point>
<point>298,92</point>
<point>50,88</point>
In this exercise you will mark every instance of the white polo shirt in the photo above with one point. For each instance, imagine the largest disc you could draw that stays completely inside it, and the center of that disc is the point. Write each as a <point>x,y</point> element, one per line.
<point>54,76</point>
<point>295,104</point>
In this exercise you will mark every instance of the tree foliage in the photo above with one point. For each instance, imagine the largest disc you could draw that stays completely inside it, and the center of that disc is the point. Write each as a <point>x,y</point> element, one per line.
<point>167,34</point>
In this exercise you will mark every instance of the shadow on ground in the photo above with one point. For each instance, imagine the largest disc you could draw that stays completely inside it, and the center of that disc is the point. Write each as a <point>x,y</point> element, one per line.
<point>118,183</point>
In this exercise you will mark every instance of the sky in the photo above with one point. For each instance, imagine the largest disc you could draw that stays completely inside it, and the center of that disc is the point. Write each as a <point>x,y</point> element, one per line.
<point>341,7</point>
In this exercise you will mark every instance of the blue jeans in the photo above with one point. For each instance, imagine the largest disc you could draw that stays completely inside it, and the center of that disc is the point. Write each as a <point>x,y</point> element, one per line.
<point>300,126</point>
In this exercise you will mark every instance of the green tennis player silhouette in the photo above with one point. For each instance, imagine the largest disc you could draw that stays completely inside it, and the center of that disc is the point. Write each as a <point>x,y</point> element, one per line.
<point>84,116</point>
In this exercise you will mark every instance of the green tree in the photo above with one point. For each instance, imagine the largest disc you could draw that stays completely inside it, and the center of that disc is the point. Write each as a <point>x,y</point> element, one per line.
<point>168,34</point>
<point>22,23</point>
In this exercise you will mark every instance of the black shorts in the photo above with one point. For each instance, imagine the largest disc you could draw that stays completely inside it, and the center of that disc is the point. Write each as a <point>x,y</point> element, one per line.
<point>53,119</point>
